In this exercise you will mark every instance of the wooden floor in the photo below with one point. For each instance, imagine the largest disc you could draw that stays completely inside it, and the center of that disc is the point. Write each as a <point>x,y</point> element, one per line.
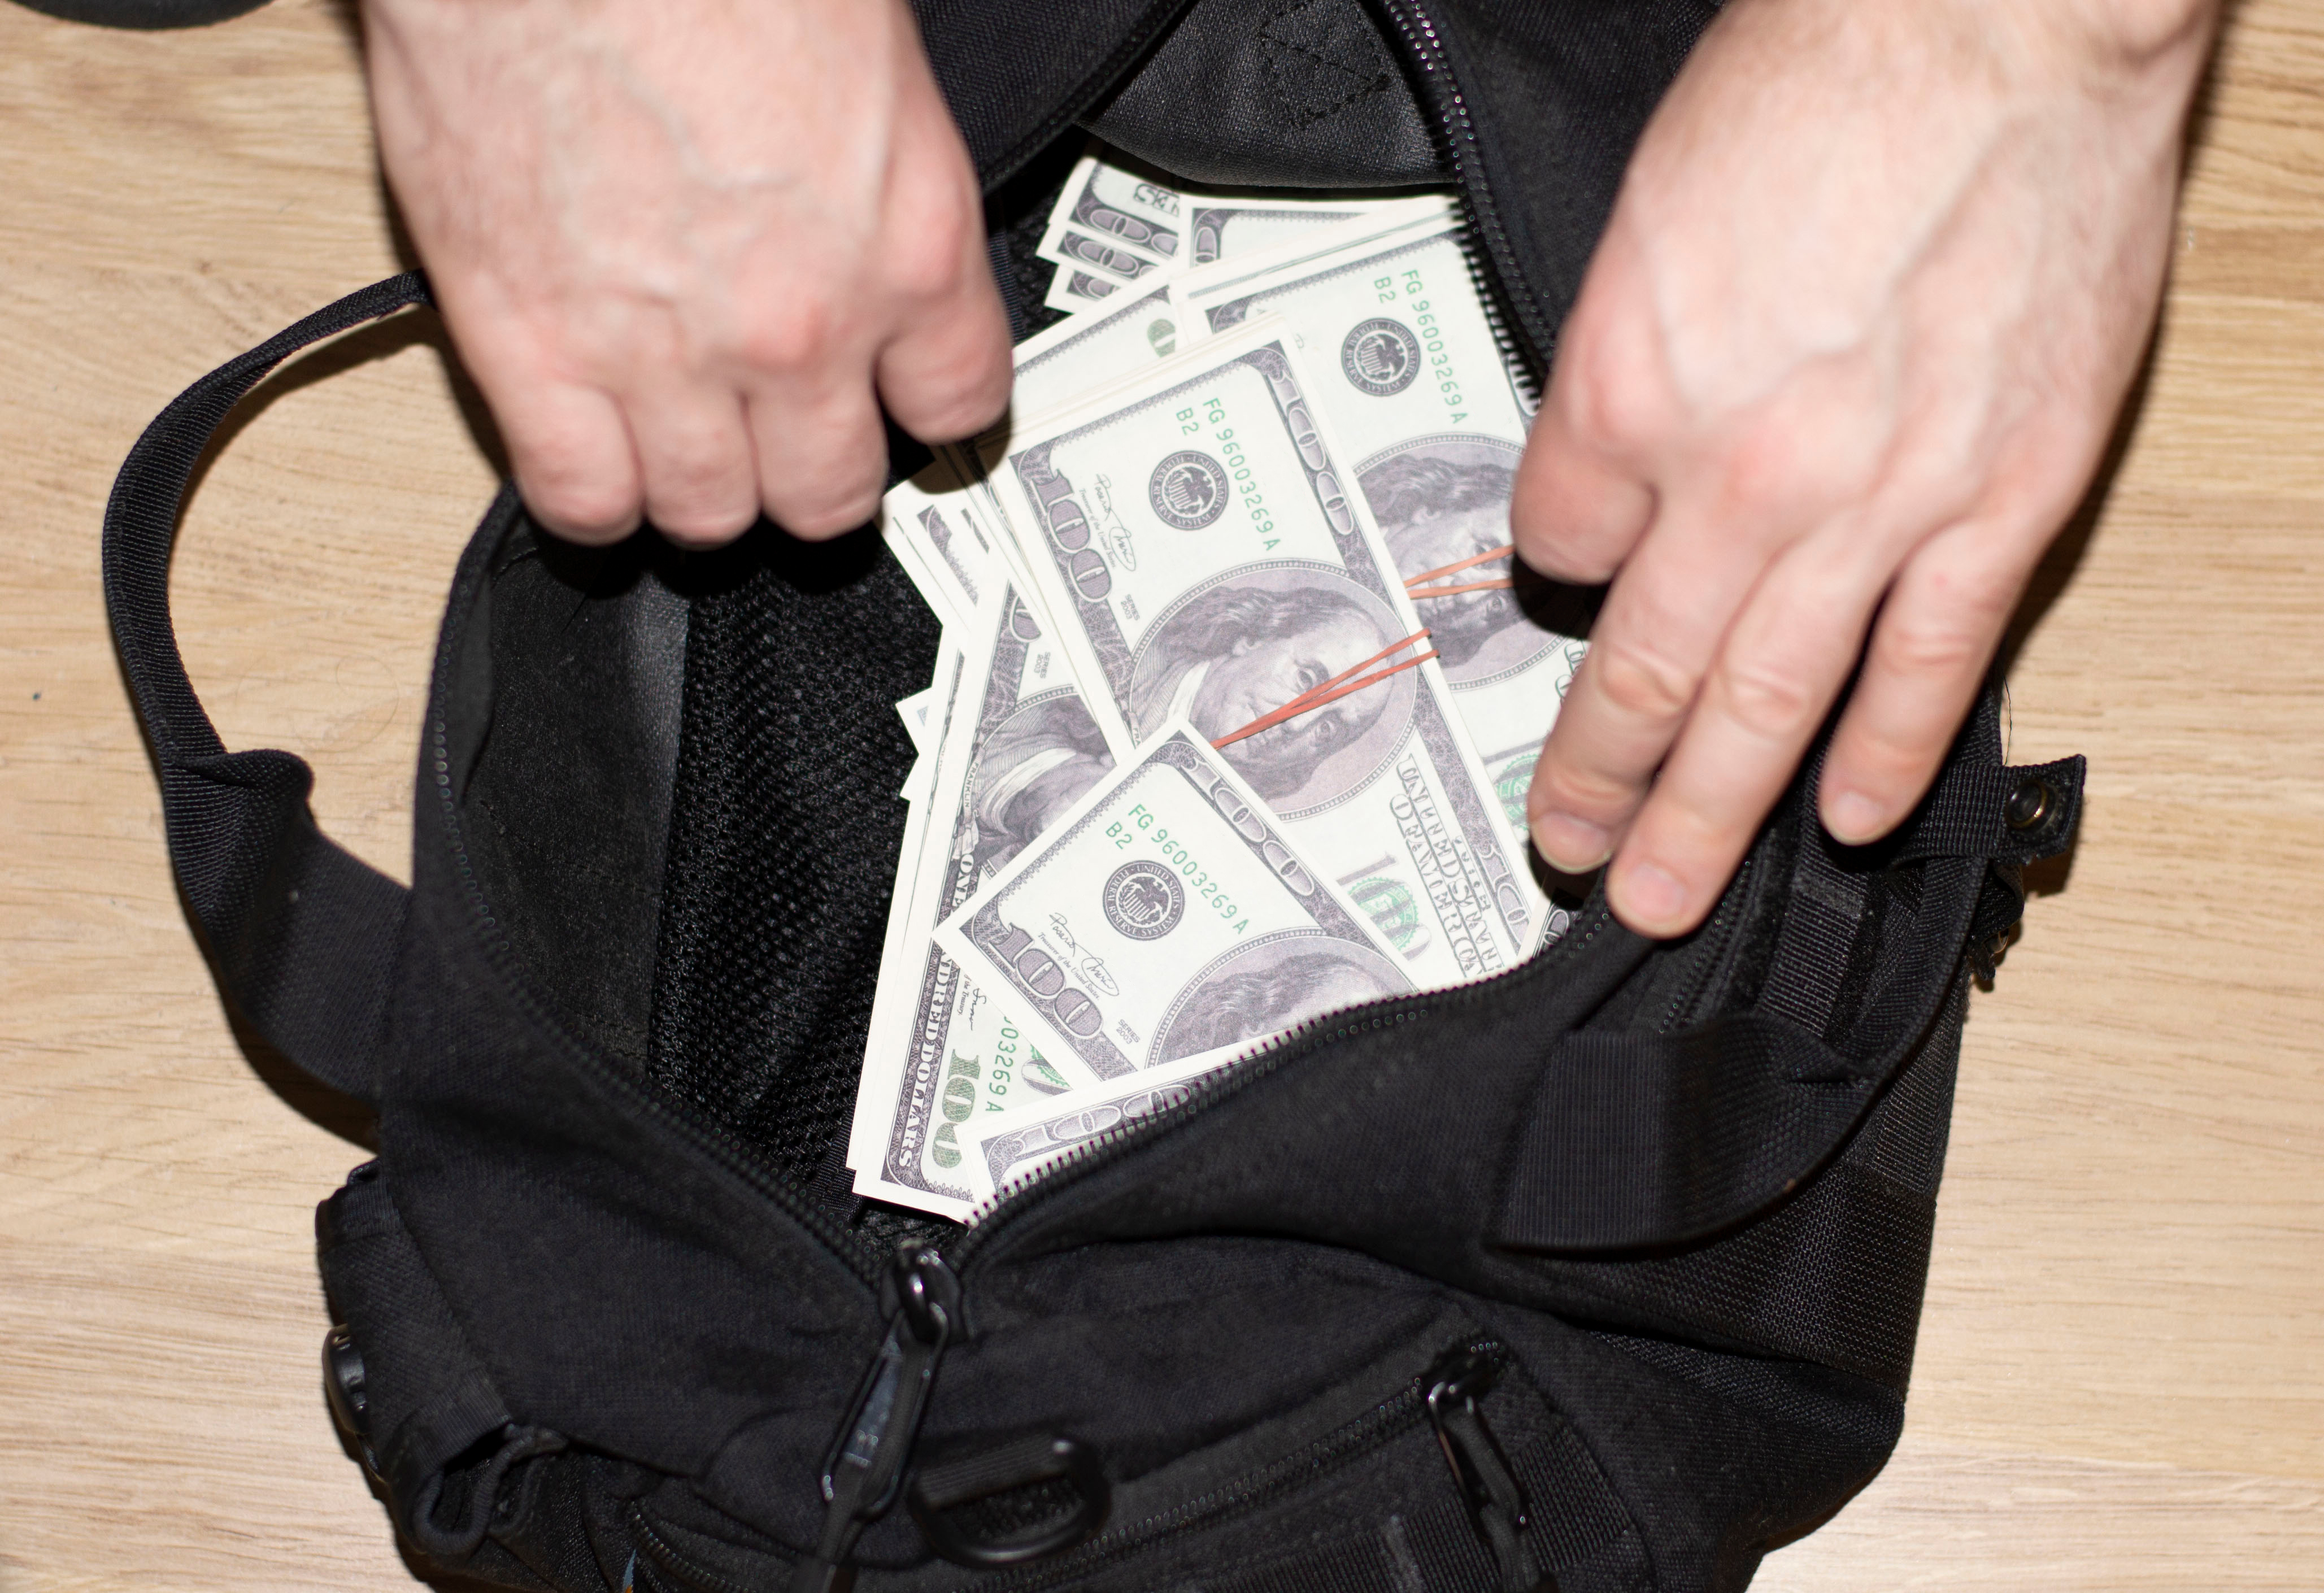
<point>2121,1377</point>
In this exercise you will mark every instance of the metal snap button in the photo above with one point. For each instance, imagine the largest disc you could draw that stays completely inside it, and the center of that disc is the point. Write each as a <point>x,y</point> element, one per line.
<point>2028,805</point>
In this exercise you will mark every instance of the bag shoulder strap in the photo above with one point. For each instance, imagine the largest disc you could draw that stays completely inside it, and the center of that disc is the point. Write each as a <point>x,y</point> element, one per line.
<point>301,935</point>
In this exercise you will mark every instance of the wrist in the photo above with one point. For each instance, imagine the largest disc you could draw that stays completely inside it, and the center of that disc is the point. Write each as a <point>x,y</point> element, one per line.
<point>2141,48</point>
<point>2140,31</point>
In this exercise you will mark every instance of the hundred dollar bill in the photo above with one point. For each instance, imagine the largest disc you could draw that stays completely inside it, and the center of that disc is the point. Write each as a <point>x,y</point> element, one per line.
<point>1013,1147</point>
<point>941,534</point>
<point>1020,749</point>
<point>914,712</point>
<point>884,1035</point>
<point>1109,196</point>
<point>1195,547</point>
<point>1113,342</point>
<point>1053,367</point>
<point>1073,291</point>
<point>1414,378</point>
<point>1264,233</point>
<point>1132,209</point>
<point>1077,250</point>
<point>1169,915</point>
<point>1222,229</point>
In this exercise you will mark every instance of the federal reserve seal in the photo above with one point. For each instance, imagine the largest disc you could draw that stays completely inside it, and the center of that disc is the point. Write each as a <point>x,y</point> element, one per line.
<point>1144,900</point>
<point>1381,356</point>
<point>1188,490</point>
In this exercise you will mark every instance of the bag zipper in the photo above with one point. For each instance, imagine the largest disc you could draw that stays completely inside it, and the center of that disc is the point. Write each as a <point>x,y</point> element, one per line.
<point>1398,1413</point>
<point>1029,1193</point>
<point>1413,26</point>
<point>1498,1506</point>
<point>1713,940</point>
<point>864,1473</point>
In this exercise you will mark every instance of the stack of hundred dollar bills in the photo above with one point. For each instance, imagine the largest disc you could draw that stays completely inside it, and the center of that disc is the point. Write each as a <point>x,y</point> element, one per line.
<point>1239,690</point>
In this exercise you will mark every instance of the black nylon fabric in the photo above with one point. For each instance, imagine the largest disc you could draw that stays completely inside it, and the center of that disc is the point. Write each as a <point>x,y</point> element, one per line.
<point>1302,93</point>
<point>785,827</point>
<point>1534,105</point>
<point>1540,103</point>
<point>1017,72</point>
<point>609,1279</point>
<point>430,1399</point>
<point>302,934</point>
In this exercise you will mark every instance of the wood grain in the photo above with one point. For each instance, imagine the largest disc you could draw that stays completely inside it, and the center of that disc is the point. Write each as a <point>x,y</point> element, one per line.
<point>2121,1376</point>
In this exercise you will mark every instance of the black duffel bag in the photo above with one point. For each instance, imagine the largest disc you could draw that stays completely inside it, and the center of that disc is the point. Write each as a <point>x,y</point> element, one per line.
<point>1602,1273</point>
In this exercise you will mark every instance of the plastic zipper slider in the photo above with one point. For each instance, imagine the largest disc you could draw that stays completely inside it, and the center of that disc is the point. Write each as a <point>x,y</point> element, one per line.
<point>1457,1384</point>
<point>864,1473</point>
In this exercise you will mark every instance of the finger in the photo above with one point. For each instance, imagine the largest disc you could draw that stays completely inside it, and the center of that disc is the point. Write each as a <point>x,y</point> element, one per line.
<point>1930,650</point>
<point>822,457</point>
<point>946,374</point>
<point>1782,663</point>
<point>1649,649</point>
<point>1575,516</point>
<point>944,371</point>
<point>696,456</point>
<point>575,464</point>
<point>1583,499</point>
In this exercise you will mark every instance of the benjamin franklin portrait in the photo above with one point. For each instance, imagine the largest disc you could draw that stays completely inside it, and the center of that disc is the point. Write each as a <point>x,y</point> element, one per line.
<point>1245,647</point>
<point>1447,498</point>
<point>1253,996</point>
<point>1036,764</point>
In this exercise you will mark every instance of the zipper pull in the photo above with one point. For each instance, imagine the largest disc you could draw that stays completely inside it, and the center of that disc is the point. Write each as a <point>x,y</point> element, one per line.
<point>863,1472</point>
<point>1497,1507</point>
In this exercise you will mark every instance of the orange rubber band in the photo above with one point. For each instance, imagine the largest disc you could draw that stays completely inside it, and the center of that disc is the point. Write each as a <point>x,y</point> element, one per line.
<point>1324,685</point>
<point>1310,702</point>
<point>1503,585</point>
<point>1455,568</point>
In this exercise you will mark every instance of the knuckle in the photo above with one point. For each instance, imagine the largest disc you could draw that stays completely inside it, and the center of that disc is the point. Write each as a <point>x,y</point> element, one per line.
<point>1553,532</point>
<point>824,519</point>
<point>819,509</point>
<point>704,524</point>
<point>1929,647</point>
<point>1640,684</point>
<point>1607,398</point>
<point>581,503</point>
<point>1768,701</point>
<point>1975,595</point>
<point>1586,793</point>
<point>803,338</point>
<point>956,401</point>
<point>923,262</point>
<point>1761,469</point>
<point>1564,557</point>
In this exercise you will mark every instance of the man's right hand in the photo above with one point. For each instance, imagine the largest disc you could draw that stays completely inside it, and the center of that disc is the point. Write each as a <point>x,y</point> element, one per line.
<point>688,248</point>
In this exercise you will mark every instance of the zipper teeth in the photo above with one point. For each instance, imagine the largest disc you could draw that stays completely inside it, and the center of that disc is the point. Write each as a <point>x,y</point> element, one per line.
<point>712,1139</point>
<point>1399,1410</point>
<point>1029,1192</point>
<point>1098,1143</point>
<point>1513,356</point>
<point>673,1561</point>
<point>1713,949</point>
<point>1419,33</point>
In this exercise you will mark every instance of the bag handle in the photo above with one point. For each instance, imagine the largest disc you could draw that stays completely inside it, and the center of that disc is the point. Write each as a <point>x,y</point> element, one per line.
<point>301,935</point>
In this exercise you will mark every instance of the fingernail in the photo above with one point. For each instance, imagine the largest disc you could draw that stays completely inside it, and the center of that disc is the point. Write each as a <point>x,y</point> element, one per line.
<point>1852,817</point>
<point>1575,845</point>
<point>1651,894</point>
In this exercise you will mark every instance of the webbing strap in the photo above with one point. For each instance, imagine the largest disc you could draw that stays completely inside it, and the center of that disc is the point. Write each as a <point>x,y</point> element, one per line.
<point>301,935</point>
